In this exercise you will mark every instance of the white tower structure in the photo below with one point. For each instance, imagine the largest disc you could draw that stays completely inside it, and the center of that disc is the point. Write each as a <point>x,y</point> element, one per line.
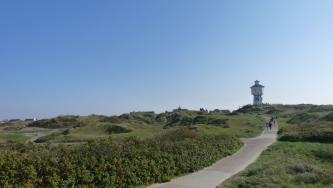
<point>257,92</point>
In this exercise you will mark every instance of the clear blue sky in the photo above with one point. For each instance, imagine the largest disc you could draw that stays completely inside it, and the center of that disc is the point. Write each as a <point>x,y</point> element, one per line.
<point>109,57</point>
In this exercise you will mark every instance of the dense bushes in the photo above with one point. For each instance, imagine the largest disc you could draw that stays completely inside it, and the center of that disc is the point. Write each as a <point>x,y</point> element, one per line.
<point>59,122</point>
<point>209,120</point>
<point>105,163</point>
<point>137,117</point>
<point>185,120</point>
<point>307,132</point>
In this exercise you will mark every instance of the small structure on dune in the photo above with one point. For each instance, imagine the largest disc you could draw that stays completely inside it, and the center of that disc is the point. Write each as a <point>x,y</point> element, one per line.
<point>257,92</point>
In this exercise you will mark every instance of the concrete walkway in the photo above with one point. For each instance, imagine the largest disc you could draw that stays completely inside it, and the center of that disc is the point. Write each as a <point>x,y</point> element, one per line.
<point>222,170</point>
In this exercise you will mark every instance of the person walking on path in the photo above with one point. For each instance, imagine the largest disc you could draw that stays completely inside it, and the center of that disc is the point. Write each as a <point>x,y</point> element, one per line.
<point>267,126</point>
<point>216,174</point>
<point>270,125</point>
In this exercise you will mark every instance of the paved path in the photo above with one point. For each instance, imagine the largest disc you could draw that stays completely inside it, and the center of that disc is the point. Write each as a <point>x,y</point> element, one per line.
<point>222,170</point>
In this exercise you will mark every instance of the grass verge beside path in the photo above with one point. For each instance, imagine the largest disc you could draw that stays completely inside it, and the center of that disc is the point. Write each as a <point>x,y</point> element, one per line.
<point>289,164</point>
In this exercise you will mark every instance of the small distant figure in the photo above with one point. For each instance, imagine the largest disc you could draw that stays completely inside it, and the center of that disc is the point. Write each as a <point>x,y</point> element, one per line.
<point>270,125</point>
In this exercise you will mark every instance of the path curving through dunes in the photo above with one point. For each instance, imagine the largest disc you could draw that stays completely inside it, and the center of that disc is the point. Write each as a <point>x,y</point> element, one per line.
<point>216,174</point>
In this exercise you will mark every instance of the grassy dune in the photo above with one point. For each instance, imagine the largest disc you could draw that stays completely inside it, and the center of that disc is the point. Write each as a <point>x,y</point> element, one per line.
<point>143,125</point>
<point>303,156</point>
<point>12,138</point>
<point>289,164</point>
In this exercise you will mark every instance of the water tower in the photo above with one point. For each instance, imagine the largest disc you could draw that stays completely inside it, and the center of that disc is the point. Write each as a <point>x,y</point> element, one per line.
<point>257,92</point>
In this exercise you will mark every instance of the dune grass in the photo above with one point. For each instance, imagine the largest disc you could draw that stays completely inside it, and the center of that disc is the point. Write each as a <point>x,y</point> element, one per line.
<point>101,130</point>
<point>145,125</point>
<point>12,138</point>
<point>242,126</point>
<point>289,164</point>
<point>303,156</point>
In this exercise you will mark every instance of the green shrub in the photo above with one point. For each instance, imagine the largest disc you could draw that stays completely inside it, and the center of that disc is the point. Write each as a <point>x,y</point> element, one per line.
<point>324,154</point>
<point>111,119</point>
<point>307,132</point>
<point>50,137</point>
<point>202,119</point>
<point>301,168</point>
<point>217,121</point>
<point>302,118</point>
<point>115,129</point>
<point>308,178</point>
<point>106,163</point>
<point>13,128</point>
<point>59,122</point>
<point>328,117</point>
<point>210,120</point>
<point>321,108</point>
<point>178,135</point>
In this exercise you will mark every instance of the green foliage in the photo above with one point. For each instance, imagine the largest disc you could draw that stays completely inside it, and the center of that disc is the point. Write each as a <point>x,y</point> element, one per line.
<point>288,164</point>
<point>303,118</point>
<point>263,109</point>
<point>50,137</point>
<point>111,119</point>
<point>12,138</point>
<point>324,154</point>
<point>309,123</point>
<point>307,161</point>
<point>178,135</point>
<point>115,129</point>
<point>322,132</point>
<point>210,120</point>
<point>178,119</point>
<point>183,119</point>
<point>284,110</point>
<point>328,117</point>
<point>106,163</point>
<point>59,122</point>
<point>13,128</point>
<point>321,108</point>
<point>13,124</point>
<point>245,125</point>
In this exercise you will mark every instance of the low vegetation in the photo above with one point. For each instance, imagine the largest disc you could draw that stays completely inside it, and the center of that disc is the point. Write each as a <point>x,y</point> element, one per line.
<point>313,132</point>
<point>115,129</point>
<point>130,150</point>
<point>59,122</point>
<point>290,165</point>
<point>80,129</point>
<point>328,117</point>
<point>140,148</point>
<point>10,138</point>
<point>107,163</point>
<point>303,118</point>
<point>301,158</point>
